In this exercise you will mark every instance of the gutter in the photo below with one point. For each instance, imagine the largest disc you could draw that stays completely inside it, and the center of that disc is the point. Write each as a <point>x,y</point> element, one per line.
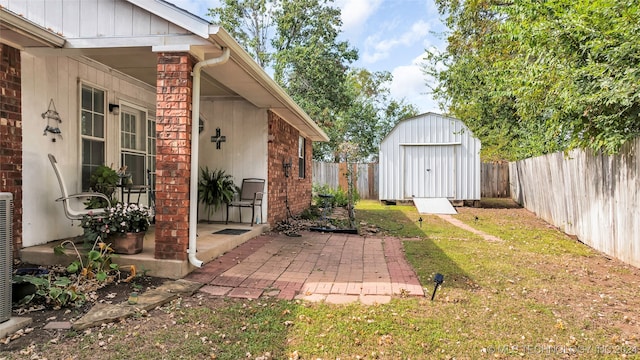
<point>30,29</point>
<point>251,67</point>
<point>195,143</point>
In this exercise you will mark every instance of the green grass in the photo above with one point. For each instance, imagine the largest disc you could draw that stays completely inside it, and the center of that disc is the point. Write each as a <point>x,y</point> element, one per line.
<point>537,293</point>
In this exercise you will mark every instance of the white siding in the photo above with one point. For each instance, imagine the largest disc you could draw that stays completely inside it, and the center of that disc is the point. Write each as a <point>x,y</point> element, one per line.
<point>58,78</point>
<point>243,154</point>
<point>92,18</point>
<point>441,144</point>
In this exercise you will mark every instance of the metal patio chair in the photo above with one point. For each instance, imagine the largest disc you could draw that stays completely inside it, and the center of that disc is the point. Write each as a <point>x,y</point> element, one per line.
<point>251,194</point>
<point>69,211</point>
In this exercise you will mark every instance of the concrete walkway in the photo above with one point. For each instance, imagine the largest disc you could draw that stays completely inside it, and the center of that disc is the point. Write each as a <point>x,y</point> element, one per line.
<point>336,268</point>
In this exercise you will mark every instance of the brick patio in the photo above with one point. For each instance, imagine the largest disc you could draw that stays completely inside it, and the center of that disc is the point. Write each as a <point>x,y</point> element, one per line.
<point>337,268</point>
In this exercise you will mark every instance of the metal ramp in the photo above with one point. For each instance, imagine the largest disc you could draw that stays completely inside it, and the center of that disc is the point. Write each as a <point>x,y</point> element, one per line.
<point>434,206</point>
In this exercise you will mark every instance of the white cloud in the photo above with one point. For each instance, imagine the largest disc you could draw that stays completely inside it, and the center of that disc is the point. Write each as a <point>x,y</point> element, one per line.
<point>377,49</point>
<point>411,84</point>
<point>355,13</point>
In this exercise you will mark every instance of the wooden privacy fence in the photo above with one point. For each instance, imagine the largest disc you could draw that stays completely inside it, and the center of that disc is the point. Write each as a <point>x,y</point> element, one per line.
<point>594,197</point>
<point>494,180</point>
<point>333,175</point>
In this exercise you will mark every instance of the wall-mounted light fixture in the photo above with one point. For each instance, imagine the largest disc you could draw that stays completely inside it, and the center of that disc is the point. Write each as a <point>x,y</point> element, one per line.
<point>114,109</point>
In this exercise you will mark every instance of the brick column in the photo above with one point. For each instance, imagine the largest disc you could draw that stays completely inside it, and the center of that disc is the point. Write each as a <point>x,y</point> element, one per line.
<point>173,161</point>
<point>11,136</point>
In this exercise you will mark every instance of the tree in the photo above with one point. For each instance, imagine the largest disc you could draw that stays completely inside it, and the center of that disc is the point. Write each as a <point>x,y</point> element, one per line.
<point>249,22</point>
<point>314,67</point>
<point>531,77</point>
<point>310,63</point>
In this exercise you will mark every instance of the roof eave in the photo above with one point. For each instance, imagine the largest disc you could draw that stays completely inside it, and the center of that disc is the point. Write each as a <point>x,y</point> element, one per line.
<point>220,36</point>
<point>30,29</point>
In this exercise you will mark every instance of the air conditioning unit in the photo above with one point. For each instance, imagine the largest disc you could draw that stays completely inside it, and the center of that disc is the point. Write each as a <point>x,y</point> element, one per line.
<point>6,254</point>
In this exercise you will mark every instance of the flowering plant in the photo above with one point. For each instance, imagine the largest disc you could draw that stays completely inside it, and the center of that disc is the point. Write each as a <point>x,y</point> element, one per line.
<point>121,218</point>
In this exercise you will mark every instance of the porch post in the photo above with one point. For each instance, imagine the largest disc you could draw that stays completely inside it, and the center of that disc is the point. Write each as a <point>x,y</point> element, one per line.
<point>11,136</point>
<point>173,161</point>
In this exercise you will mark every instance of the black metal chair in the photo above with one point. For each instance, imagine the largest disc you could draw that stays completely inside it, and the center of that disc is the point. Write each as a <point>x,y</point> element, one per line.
<point>251,194</point>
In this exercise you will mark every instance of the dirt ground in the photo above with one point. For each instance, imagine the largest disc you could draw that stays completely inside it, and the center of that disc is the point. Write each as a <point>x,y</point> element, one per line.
<point>617,305</point>
<point>40,316</point>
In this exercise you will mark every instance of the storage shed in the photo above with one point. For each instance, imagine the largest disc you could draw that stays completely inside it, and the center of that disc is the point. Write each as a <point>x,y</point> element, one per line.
<point>430,156</point>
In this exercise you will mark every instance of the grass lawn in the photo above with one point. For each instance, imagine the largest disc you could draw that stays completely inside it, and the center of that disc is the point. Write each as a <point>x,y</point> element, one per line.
<point>533,293</point>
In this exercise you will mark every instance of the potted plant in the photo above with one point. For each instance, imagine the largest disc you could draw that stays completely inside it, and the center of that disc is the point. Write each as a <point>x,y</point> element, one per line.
<point>214,189</point>
<point>123,226</point>
<point>103,180</point>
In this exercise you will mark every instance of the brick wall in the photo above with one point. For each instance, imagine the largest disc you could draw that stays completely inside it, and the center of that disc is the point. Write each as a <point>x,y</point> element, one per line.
<point>283,145</point>
<point>11,136</point>
<point>173,161</point>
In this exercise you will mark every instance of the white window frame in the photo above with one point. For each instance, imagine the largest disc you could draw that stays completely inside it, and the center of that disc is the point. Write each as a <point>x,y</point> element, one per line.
<point>83,84</point>
<point>302,147</point>
<point>142,139</point>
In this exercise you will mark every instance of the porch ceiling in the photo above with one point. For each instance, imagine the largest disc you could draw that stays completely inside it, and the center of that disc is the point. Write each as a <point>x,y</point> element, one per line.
<point>141,63</point>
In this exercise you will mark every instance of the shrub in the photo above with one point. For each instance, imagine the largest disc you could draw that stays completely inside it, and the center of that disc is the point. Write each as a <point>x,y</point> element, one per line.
<point>340,197</point>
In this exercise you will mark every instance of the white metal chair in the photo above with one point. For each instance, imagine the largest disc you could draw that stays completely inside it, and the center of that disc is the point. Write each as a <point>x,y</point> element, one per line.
<point>251,195</point>
<point>71,212</point>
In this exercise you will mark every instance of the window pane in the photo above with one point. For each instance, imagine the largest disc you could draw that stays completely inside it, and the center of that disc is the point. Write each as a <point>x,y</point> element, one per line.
<point>98,101</point>
<point>87,124</point>
<point>98,126</point>
<point>92,157</point>
<point>86,99</point>
<point>135,167</point>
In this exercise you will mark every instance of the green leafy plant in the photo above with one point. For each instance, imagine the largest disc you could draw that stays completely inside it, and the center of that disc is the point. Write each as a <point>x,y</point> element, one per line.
<point>340,197</point>
<point>56,291</point>
<point>103,180</point>
<point>214,189</point>
<point>121,218</point>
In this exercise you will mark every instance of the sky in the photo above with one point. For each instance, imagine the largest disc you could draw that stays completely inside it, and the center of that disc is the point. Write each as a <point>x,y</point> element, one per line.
<point>390,35</point>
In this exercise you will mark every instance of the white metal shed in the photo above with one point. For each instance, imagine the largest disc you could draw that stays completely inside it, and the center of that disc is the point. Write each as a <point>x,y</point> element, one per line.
<point>430,156</point>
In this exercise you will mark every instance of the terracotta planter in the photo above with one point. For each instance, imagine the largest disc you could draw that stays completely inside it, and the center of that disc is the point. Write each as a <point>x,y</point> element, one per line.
<point>127,243</point>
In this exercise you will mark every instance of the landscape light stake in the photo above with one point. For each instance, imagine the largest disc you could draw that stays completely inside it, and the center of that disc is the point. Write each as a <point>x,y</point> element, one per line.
<point>420,221</point>
<point>438,279</point>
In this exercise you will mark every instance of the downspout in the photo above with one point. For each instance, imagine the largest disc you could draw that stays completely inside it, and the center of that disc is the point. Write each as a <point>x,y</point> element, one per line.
<point>195,135</point>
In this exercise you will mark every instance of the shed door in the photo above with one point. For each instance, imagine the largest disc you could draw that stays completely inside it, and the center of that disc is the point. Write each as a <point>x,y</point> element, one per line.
<point>429,171</point>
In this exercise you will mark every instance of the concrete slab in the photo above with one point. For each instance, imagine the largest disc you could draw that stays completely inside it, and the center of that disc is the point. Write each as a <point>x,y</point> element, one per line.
<point>12,325</point>
<point>209,247</point>
<point>434,206</point>
<point>341,299</point>
<point>104,313</point>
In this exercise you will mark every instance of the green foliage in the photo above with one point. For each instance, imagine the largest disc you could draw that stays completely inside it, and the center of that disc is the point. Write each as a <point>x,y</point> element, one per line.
<point>83,275</point>
<point>215,188</point>
<point>248,21</point>
<point>103,180</point>
<point>122,218</point>
<point>313,65</point>
<point>531,77</point>
<point>339,197</point>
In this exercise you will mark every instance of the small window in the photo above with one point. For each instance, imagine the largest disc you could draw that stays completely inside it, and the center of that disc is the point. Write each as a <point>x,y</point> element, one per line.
<point>133,143</point>
<point>301,157</point>
<point>92,114</point>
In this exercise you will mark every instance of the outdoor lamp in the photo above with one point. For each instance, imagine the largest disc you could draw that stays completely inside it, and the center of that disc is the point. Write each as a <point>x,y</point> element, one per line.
<point>114,109</point>
<point>438,279</point>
